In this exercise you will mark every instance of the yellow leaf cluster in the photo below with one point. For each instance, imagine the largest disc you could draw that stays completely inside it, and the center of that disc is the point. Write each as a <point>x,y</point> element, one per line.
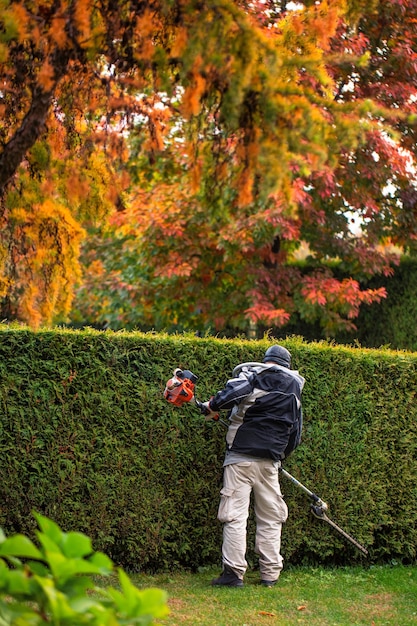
<point>4,279</point>
<point>46,260</point>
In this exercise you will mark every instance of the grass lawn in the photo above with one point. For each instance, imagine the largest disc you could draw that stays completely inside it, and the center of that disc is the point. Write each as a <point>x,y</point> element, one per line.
<point>348,596</point>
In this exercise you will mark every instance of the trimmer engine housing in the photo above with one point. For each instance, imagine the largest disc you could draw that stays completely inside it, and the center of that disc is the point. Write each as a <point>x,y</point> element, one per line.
<point>180,388</point>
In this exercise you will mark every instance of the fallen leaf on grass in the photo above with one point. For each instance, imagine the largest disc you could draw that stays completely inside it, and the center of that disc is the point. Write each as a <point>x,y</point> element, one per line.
<point>302,607</point>
<point>266,613</point>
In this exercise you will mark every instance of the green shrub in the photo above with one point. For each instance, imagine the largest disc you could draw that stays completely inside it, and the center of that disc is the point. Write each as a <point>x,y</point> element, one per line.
<point>52,583</point>
<point>87,439</point>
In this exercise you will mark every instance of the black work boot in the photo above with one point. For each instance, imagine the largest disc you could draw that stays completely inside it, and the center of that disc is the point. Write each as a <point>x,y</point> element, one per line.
<point>227,579</point>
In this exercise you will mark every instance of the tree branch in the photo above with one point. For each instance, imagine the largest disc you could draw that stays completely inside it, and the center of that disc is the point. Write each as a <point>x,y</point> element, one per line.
<point>30,129</point>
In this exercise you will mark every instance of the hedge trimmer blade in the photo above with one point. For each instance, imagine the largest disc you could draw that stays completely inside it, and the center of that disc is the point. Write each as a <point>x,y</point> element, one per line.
<point>319,509</point>
<point>318,512</point>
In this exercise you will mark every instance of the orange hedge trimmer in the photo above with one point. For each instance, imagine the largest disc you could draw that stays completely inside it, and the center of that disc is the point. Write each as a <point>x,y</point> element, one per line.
<point>180,389</point>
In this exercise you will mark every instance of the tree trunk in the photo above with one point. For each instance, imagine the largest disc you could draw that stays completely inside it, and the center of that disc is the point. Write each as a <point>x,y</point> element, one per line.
<point>32,126</point>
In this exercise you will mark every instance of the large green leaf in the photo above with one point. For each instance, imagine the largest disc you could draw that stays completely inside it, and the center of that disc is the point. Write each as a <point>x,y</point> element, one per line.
<point>49,527</point>
<point>75,544</point>
<point>20,546</point>
<point>64,568</point>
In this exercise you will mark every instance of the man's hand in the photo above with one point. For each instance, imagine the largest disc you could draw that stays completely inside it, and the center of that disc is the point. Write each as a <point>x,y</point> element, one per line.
<point>208,413</point>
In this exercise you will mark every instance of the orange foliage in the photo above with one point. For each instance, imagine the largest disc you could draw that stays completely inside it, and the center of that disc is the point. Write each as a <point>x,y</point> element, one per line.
<point>82,18</point>
<point>191,100</point>
<point>245,186</point>
<point>46,76</point>
<point>21,20</point>
<point>58,34</point>
<point>265,314</point>
<point>180,42</point>
<point>343,296</point>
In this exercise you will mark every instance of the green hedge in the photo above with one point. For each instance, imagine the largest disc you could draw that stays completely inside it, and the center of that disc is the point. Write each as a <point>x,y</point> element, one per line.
<point>88,440</point>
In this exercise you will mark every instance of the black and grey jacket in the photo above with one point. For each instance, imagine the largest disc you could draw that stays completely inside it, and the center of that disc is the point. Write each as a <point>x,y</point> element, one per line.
<point>265,410</point>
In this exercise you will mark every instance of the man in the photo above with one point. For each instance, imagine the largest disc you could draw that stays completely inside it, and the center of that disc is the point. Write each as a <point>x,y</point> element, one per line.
<point>265,426</point>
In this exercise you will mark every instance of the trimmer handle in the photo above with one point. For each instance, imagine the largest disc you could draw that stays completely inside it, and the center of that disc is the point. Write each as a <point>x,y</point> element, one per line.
<point>204,410</point>
<point>200,406</point>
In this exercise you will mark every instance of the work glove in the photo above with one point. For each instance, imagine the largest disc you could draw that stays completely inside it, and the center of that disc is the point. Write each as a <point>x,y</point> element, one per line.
<point>208,413</point>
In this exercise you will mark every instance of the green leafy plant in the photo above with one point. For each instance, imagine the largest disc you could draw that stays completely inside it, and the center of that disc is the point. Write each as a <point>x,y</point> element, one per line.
<point>53,583</point>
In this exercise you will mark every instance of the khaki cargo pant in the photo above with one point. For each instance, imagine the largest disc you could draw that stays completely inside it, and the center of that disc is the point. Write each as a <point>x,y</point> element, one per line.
<point>239,481</point>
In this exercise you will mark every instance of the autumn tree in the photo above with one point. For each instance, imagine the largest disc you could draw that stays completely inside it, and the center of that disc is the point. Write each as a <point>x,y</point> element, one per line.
<point>207,256</point>
<point>198,143</point>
